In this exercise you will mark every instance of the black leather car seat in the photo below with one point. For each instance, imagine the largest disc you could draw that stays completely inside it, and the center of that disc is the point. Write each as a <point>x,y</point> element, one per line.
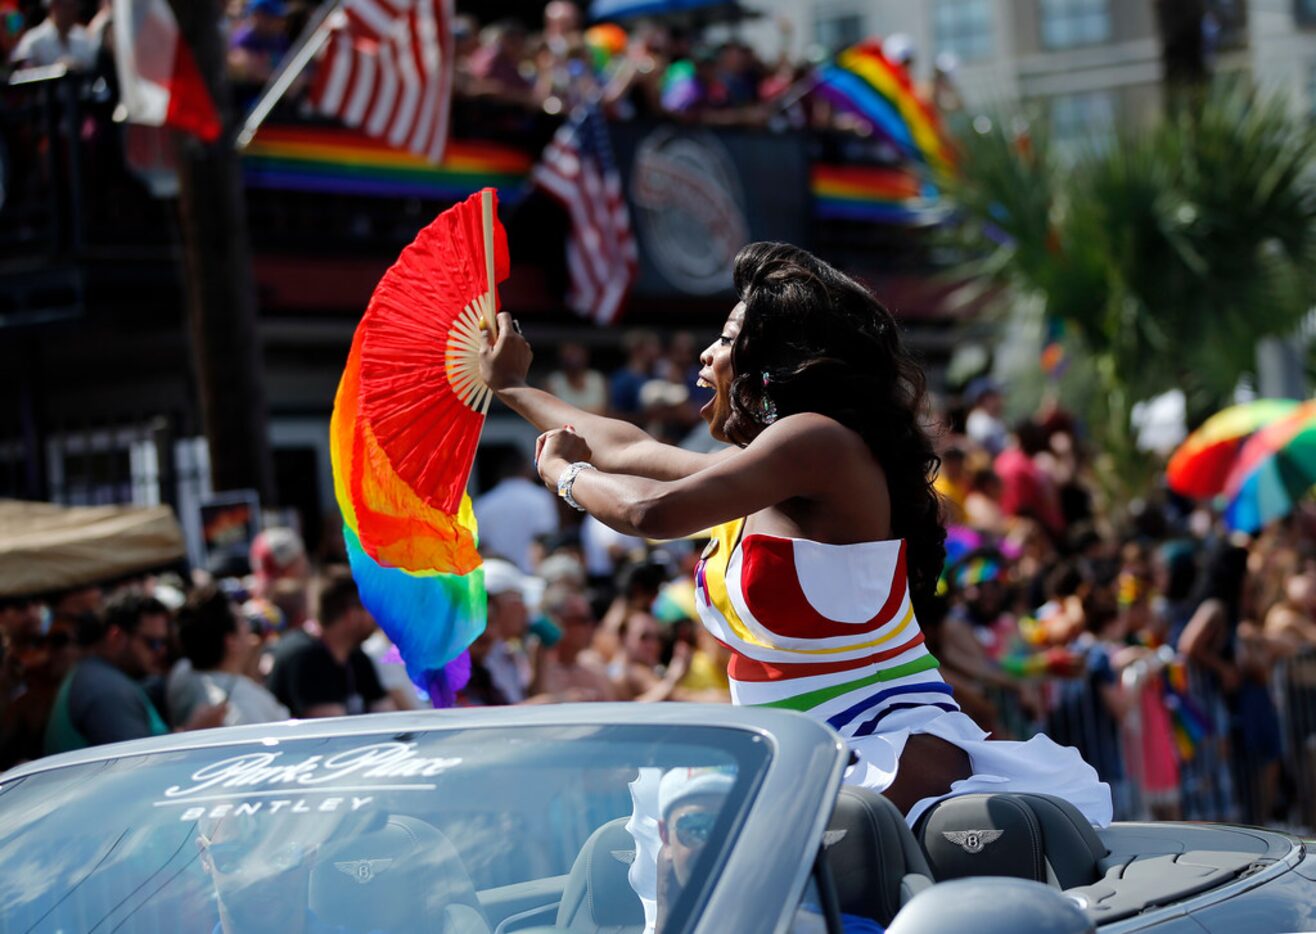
<point>875,862</point>
<point>1028,836</point>
<point>389,875</point>
<point>598,896</point>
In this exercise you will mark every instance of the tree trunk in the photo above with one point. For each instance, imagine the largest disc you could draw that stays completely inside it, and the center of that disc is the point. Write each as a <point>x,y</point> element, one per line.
<point>220,290</point>
<point>1183,47</point>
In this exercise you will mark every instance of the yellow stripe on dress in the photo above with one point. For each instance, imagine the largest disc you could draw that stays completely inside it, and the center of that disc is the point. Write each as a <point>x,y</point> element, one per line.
<point>904,624</point>
<point>715,581</point>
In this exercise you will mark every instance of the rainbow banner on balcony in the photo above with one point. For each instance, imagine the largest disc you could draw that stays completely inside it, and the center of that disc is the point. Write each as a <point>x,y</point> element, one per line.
<point>873,194</point>
<point>338,160</point>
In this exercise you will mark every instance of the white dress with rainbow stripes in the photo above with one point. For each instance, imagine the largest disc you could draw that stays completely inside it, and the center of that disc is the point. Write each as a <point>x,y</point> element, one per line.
<point>829,630</point>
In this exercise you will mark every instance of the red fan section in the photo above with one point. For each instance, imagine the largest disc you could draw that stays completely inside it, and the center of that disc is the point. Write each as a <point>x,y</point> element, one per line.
<point>427,431</point>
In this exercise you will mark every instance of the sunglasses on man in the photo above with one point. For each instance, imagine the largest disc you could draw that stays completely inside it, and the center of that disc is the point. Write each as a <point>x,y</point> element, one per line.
<point>694,828</point>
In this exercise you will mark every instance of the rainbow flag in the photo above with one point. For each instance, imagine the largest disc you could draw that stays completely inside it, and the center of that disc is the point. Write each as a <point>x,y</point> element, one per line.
<point>873,193</point>
<point>863,81</point>
<point>1189,724</point>
<point>339,160</point>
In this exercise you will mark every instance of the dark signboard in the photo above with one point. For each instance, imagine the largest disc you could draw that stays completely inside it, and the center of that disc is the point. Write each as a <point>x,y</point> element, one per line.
<point>698,195</point>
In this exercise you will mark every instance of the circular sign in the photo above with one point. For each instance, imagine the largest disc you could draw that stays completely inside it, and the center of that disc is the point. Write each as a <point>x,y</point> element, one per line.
<point>689,210</point>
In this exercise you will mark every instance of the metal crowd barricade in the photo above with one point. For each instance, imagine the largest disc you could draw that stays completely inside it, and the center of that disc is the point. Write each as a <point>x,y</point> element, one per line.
<point>1182,748</point>
<point>1294,691</point>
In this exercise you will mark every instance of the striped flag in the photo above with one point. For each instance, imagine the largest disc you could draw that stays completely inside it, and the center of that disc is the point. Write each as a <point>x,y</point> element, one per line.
<point>388,71</point>
<point>578,170</point>
<point>159,83</point>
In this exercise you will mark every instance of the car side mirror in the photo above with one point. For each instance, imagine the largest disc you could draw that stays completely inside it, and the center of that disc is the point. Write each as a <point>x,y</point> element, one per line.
<point>991,905</point>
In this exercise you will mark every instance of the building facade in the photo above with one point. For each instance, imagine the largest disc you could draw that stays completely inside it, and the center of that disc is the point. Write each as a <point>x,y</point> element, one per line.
<point>1089,65</point>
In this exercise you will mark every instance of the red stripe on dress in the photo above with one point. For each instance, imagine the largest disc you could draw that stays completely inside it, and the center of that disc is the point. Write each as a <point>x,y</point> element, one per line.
<point>771,586</point>
<point>743,668</point>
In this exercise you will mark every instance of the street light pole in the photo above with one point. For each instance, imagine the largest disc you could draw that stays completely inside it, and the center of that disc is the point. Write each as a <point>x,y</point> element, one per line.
<point>220,288</point>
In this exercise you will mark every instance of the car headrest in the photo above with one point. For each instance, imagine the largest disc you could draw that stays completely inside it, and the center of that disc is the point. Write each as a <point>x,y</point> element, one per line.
<point>1027,836</point>
<point>598,892</point>
<point>384,878</point>
<point>875,862</point>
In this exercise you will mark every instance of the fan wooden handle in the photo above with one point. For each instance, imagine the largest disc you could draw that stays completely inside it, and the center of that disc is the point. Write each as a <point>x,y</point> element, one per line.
<point>490,313</point>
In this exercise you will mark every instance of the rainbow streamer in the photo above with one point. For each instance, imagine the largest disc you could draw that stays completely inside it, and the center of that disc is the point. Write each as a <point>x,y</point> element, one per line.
<point>417,567</point>
<point>1188,723</point>
<point>864,82</point>
<point>680,88</point>
<point>339,160</point>
<point>1054,662</point>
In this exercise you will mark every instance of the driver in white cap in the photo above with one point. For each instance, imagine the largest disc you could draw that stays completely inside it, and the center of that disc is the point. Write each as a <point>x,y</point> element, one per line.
<point>689,800</point>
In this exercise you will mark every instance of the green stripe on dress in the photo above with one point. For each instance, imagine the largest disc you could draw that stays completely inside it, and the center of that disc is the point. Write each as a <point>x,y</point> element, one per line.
<point>812,699</point>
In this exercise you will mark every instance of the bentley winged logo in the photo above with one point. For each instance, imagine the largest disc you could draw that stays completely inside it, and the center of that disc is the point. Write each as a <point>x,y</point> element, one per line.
<point>832,837</point>
<point>972,841</point>
<point>363,870</point>
<point>624,856</point>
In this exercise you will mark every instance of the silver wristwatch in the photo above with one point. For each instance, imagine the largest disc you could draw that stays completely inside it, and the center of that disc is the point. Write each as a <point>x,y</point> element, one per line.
<point>568,478</point>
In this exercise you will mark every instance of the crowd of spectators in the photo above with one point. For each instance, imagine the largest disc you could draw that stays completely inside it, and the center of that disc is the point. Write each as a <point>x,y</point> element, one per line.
<point>1179,658</point>
<point>102,664</point>
<point>648,69</point>
<point>1176,655</point>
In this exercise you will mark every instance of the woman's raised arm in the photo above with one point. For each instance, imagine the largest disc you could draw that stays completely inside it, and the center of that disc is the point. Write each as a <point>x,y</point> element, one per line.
<point>802,456</point>
<point>616,446</point>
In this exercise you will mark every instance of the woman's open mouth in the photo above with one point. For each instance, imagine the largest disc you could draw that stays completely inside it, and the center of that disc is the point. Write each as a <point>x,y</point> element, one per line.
<point>707,408</point>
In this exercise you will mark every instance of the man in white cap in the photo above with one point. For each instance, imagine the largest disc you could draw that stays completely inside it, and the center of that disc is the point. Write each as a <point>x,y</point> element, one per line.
<point>689,800</point>
<point>508,662</point>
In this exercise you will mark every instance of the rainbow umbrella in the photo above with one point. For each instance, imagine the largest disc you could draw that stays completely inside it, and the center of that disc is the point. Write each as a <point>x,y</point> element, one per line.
<point>1199,467</point>
<point>1273,470</point>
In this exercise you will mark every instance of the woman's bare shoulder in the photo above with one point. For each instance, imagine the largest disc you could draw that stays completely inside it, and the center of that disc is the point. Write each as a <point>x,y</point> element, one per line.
<point>813,431</point>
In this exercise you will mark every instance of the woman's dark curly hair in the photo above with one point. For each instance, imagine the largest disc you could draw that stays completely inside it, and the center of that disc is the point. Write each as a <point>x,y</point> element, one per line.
<point>814,340</point>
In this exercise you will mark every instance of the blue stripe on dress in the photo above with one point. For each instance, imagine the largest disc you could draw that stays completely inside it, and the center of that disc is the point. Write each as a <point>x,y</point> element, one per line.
<point>868,703</point>
<point>870,726</point>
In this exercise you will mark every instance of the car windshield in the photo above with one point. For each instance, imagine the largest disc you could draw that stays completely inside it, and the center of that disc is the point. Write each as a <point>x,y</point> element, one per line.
<point>446,830</point>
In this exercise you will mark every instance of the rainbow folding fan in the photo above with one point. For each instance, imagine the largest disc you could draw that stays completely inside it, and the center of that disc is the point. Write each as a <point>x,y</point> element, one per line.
<point>406,423</point>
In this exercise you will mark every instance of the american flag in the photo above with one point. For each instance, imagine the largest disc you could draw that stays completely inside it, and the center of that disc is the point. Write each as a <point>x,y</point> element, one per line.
<point>388,71</point>
<point>578,170</point>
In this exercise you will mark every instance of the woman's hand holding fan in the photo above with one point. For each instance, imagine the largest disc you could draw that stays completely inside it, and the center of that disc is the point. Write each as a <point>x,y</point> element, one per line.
<point>505,359</point>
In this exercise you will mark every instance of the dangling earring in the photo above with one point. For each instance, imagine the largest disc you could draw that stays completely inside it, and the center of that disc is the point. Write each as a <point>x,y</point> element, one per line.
<point>768,409</point>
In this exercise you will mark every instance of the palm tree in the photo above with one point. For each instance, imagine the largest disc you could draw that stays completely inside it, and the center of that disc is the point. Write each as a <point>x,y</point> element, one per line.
<point>1168,253</point>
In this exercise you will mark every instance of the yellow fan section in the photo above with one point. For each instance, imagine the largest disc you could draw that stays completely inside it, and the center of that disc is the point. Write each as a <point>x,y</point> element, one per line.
<point>462,357</point>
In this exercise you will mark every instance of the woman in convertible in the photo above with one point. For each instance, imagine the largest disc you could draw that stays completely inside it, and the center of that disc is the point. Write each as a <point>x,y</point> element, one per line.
<point>826,530</point>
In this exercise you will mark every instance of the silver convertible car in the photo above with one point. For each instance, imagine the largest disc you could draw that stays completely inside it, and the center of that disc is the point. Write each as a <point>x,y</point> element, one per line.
<point>594,818</point>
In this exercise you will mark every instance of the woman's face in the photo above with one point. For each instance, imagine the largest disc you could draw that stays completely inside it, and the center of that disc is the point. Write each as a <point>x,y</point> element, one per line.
<point>717,374</point>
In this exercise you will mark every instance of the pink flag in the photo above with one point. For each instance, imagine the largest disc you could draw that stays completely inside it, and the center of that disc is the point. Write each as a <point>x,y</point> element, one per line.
<point>159,83</point>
